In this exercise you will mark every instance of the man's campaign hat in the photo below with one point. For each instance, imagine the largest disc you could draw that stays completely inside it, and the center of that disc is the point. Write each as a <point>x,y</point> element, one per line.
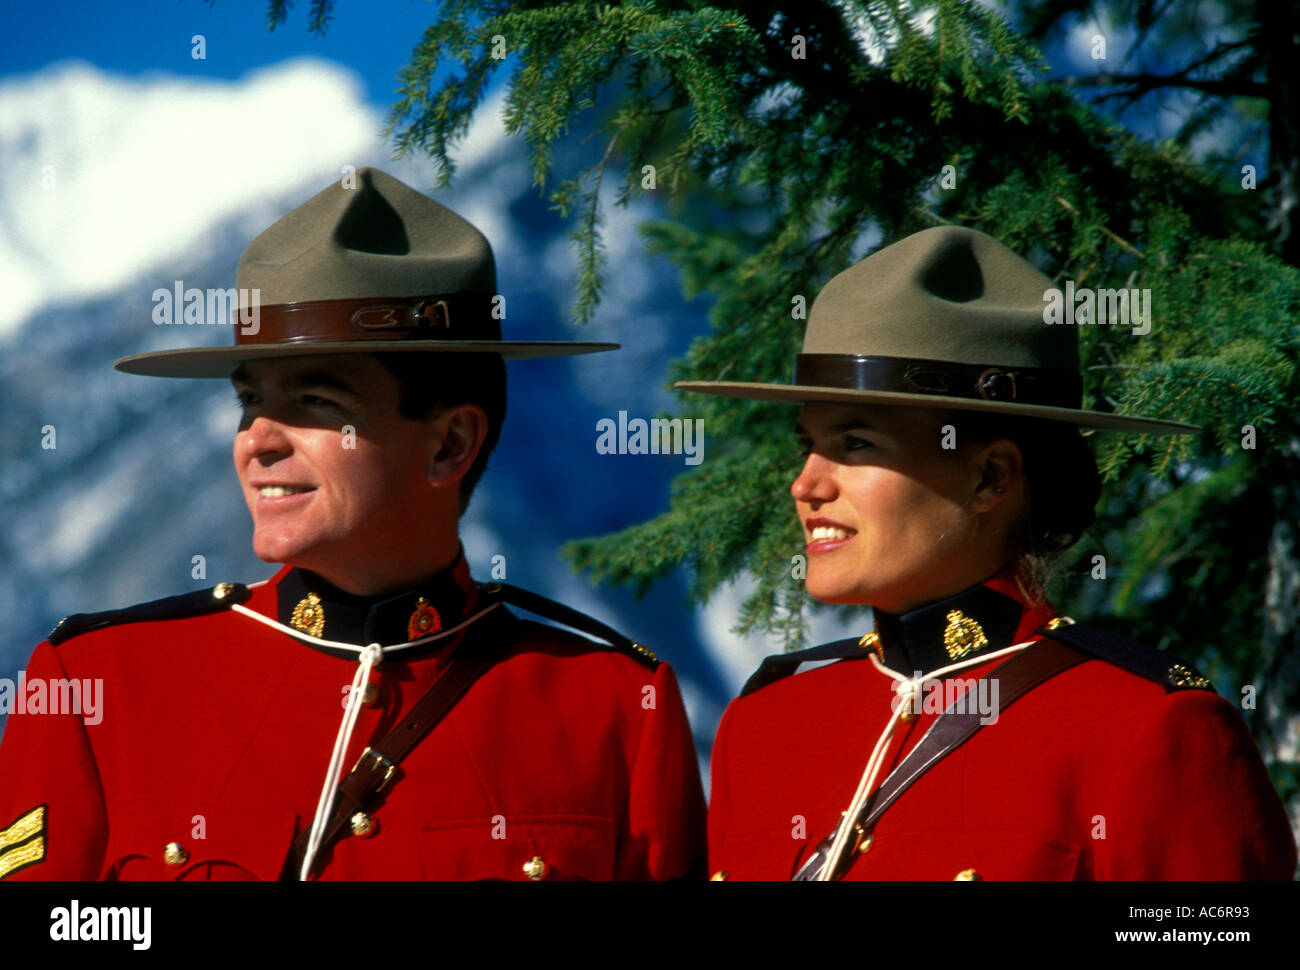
<point>945,318</point>
<point>376,267</point>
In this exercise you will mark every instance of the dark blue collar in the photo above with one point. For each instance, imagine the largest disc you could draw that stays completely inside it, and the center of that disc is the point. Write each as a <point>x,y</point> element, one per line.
<point>313,605</point>
<point>976,621</point>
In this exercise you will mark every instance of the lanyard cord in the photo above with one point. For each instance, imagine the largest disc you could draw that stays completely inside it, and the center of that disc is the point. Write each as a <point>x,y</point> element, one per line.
<point>908,691</point>
<point>367,658</point>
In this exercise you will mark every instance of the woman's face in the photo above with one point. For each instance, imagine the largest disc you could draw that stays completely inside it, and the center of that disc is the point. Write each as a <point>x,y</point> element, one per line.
<point>891,516</point>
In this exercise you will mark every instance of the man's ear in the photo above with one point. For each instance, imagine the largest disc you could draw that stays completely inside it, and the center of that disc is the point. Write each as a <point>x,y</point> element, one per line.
<point>459,433</point>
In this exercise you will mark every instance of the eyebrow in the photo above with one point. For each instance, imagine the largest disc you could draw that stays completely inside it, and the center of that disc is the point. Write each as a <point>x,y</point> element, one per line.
<point>854,425</point>
<point>300,381</point>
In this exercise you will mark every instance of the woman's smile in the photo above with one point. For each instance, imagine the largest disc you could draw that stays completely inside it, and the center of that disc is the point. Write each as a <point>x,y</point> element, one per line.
<point>825,534</point>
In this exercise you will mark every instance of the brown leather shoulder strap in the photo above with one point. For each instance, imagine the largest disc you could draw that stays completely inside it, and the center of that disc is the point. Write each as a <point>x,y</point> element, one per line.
<point>485,642</point>
<point>1016,676</point>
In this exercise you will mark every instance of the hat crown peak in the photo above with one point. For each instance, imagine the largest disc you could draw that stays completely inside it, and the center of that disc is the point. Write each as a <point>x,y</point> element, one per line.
<point>368,236</point>
<point>369,223</point>
<point>948,293</point>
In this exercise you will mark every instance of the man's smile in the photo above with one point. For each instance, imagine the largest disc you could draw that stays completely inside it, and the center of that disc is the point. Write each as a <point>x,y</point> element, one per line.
<point>279,491</point>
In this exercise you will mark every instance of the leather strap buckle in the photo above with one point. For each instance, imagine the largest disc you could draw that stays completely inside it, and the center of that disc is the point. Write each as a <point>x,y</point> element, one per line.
<point>428,314</point>
<point>996,385</point>
<point>378,762</point>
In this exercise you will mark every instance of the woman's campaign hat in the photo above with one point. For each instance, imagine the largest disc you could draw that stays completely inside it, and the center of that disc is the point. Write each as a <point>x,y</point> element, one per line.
<point>945,318</point>
<point>373,267</point>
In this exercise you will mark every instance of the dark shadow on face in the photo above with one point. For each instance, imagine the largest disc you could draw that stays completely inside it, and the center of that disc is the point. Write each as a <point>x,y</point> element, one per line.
<point>320,391</point>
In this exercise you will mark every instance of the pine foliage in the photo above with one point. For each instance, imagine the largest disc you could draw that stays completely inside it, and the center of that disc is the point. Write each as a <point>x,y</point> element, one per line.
<point>780,170</point>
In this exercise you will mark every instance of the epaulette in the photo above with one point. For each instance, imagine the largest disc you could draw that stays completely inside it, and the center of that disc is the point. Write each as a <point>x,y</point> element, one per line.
<point>567,616</point>
<point>1137,658</point>
<point>203,601</point>
<point>782,665</point>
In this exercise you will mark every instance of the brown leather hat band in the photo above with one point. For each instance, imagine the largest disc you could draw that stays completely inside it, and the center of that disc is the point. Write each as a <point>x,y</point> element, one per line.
<point>979,382</point>
<point>456,316</point>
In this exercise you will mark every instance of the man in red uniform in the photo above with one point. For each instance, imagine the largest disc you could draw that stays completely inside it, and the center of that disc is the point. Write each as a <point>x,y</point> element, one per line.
<point>369,712</point>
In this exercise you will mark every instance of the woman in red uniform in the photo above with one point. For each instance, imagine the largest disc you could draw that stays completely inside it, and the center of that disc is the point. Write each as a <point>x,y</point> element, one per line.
<point>976,734</point>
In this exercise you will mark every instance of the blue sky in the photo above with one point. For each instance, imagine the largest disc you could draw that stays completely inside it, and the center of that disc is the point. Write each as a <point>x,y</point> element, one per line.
<point>373,38</point>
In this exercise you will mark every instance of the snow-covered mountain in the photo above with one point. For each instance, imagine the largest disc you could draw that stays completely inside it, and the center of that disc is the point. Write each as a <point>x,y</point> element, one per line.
<point>158,180</point>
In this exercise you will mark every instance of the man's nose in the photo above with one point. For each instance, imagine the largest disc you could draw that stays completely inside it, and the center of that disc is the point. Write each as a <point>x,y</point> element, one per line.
<point>264,437</point>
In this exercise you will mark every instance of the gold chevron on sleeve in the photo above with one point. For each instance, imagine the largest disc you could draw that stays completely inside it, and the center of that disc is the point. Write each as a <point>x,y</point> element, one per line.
<point>23,842</point>
<point>27,854</point>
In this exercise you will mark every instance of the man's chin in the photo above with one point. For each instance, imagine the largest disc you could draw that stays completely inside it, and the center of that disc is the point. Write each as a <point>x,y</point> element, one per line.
<point>287,552</point>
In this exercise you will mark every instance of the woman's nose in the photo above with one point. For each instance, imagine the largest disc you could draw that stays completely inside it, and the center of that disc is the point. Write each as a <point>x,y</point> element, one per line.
<point>816,482</point>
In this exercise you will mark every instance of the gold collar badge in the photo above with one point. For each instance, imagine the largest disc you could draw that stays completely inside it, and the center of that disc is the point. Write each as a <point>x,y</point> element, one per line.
<point>309,616</point>
<point>963,635</point>
<point>424,622</point>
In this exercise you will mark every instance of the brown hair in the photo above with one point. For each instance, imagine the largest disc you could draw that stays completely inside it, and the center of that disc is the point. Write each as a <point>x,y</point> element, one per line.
<point>1062,486</point>
<point>431,380</point>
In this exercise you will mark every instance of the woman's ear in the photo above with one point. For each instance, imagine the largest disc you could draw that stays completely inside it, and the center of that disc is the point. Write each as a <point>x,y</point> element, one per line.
<point>1001,469</point>
<point>459,433</point>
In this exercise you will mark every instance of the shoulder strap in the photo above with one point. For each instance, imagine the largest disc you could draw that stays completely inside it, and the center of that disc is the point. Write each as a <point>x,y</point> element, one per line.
<point>782,665</point>
<point>1137,658</point>
<point>568,616</point>
<point>486,641</point>
<point>199,603</point>
<point>1016,676</point>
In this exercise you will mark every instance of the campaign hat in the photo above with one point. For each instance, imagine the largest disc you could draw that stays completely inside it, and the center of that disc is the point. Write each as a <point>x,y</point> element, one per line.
<point>948,318</point>
<point>368,265</point>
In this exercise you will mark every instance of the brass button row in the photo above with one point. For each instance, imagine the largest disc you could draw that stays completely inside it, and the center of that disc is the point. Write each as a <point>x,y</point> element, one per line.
<point>363,826</point>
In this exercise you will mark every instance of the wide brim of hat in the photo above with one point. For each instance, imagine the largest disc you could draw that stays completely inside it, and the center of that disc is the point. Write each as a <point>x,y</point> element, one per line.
<point>802,394</point>
<point>221,361</point>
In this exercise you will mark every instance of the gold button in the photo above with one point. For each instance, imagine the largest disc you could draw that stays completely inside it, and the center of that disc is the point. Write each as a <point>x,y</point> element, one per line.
<point>535,868</point>
<point>370,695</point>
<point>865,845</point>
<point>907,715</point>
<point>644,651</point>
<point>174,854</point>
<point>719,876</point>
<point>363,825</point>
<point>968,875</point>
<point>222,590</point>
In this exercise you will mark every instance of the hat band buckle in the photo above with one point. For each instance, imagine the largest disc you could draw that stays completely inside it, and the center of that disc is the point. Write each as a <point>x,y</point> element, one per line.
<point>992,385</point>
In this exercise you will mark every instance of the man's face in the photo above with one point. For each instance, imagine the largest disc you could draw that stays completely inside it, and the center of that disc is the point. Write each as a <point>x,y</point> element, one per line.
<point>330,469</point>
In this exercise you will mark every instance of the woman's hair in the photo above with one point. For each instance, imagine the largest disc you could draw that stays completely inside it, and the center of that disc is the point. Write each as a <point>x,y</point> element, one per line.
<point>1062,484</point>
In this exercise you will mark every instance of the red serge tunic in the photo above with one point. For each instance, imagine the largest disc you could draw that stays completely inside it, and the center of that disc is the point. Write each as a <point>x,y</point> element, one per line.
<point>566,759</point>
<point>1097,773</point>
